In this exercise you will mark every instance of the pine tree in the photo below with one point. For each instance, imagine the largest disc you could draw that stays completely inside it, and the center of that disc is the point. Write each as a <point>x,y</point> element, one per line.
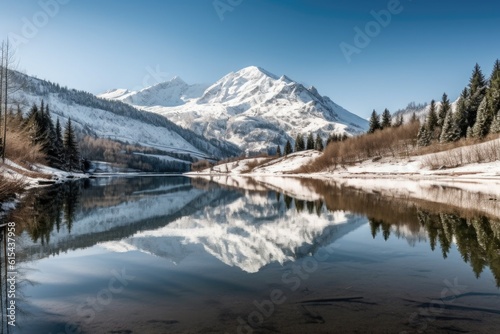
<point>386,119</point>
<point>318,145</point>
<point>288,148</point>
<point>71,154</point>
<point>476,92</point>
<point>450,131</point>
<point>443,110</point>
<point>483,122</point>
<point>470,133</point>
<point>413,118</point>
<point>310,142</point>
<point>432,118</point>
<point>59,143</point>
<point>461,117</point>
<point>399,121</point>
<point>299,143</point>
<point>423,137</point>
<point>34,125</point>
<point>374,122</point>
<point>278,151</point>
<point>495,125</point>
<point>493,93</point>
<point>19,115</point>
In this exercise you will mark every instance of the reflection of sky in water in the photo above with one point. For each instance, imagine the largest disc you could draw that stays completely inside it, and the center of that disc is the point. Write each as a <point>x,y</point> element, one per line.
<point>186,273</point>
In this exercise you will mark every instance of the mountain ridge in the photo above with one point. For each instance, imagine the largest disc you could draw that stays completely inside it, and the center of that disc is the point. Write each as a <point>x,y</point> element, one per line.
<point>257,110</point>
<point>110,119</point>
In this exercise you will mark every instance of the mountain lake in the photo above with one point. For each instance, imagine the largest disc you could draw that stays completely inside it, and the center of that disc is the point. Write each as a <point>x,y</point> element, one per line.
<point>173,254</point>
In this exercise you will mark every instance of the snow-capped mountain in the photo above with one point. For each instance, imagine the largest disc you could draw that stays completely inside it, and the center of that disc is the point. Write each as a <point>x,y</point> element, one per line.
<point>251,108</point>
<point>116,120</point>
<point>166,94</point>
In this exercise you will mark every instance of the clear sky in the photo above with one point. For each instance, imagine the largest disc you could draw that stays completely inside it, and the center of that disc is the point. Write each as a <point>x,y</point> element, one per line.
<point>427,47</point>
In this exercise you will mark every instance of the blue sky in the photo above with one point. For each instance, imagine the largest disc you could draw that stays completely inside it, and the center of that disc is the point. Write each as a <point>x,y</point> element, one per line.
<point>428,47</point>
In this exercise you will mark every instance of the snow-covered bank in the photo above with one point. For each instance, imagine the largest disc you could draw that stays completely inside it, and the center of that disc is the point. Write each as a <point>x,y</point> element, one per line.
<point>469,186</point>
<point>38,176</point>
<point>460,164</point>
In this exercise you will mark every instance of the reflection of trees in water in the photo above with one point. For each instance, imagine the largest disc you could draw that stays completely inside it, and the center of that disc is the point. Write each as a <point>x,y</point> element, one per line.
<point>44,209</point>
<point>300,205</point>
<point>477,239</point>
<point>477,236</point>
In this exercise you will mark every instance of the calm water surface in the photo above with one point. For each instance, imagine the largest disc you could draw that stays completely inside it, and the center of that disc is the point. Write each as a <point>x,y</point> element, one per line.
<point>174,255</point>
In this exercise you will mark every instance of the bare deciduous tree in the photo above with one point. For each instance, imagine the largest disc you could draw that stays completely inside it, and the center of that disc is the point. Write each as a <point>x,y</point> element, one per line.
<point>10,83</point>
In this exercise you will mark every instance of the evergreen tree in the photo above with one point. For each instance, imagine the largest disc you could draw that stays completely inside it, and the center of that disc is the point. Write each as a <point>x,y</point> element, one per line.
<point>374,122</point>
<point>413,118</point>
<point>495,125</point>
<point>288,148</point>
<point>432,118</point>
<point>299,143</point>
<point>49,147</point>
<point>476,92</point>
<point>71,154</point>
<point>310,142</point>
<point>59,143</point>
<point>443,110</point>
<point>19,115</point>
<point>483,122</point>
<point>318,145</point>
<point>470,133</point>
<point>386,119</point>
<point>493,93</point>
<point>450,131</point>
<point>461,117</point>
<point>423,137</point>
<point>36,124</point>
<point>278,151</point>
<point>399,121</point>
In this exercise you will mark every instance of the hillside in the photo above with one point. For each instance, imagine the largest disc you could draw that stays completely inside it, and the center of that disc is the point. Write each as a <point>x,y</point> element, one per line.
<point>251,108</point>
<point>116,120</point>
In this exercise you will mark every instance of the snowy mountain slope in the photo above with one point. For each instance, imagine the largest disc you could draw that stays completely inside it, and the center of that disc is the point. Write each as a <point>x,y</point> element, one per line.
<point>167,94</point>
<point>116,120</point>
<point>255,110</point>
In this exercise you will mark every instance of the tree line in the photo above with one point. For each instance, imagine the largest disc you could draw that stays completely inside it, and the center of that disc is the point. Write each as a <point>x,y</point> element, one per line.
<point>477,112</point>
<point>310,142</point>
<point>59,146</point>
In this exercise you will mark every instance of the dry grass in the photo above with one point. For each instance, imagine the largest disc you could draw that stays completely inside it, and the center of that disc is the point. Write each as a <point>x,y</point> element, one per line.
<point>395,142</point>
<point>257,163</point>
<point>32,174</point>
<point>21,150</point>
<point>9,188</point>
<point>479,153</point>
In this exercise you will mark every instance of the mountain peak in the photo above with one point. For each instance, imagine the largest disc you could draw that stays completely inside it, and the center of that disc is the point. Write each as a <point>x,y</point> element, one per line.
<point>255,71</point>
<point>177,79</point>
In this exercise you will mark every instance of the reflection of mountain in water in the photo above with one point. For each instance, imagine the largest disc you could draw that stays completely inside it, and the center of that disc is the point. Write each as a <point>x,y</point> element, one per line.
<point>174,217</point>
<point>105,212</point>
<point>248,232</point>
